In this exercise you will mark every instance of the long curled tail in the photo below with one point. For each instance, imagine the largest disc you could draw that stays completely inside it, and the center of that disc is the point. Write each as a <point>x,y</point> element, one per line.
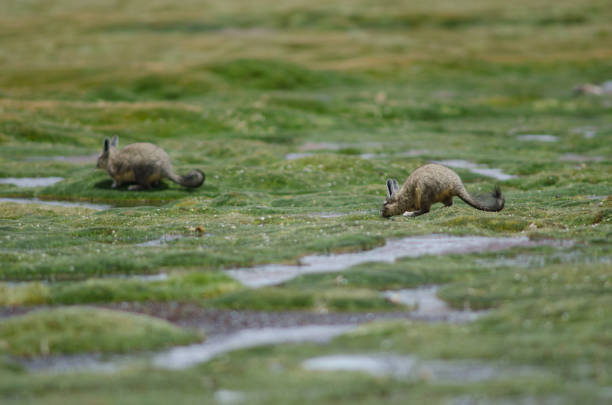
<point>489,202</point>
<point>193,179</point>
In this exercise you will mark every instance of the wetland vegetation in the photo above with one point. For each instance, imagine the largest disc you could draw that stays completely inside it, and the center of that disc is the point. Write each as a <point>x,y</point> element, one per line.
<point>298,112</point>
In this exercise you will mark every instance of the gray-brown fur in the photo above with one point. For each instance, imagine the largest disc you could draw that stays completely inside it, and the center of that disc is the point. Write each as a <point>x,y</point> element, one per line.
<point>142,165</point>
<point>431,184</point>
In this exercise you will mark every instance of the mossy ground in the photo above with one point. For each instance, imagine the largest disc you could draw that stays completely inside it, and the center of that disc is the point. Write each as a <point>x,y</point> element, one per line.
<point>231,88</point>
<point>79,330</point>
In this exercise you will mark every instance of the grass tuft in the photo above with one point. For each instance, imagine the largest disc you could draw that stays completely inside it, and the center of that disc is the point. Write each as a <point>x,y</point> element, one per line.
<point>82,330</point>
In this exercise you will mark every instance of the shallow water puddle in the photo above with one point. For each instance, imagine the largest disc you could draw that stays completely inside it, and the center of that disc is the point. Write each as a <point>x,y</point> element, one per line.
<point>475,168</point>
<point>394,249</point>
<point>409,153</point>
<point>411,368</point>
<point>586,132</point>
<point>229,396</point>
<point>187,356</point>
<point>372,155</point>
<point>538,138</point>
<point>310,146</point>
<point>429,307</point>
<point>328,214</point>
<point>160,241</point>
<point>378,365</point>
<point>367,156</point>
<point>147,278</point>
<point>31,181</point>
<point>332,214</point>
<point>293,156</point>
<point>66,159</point>
<point>573,157</point>
<point>99,207</point>
<point>307,149</point>
<point>71,364</point>
<point>531,261</point>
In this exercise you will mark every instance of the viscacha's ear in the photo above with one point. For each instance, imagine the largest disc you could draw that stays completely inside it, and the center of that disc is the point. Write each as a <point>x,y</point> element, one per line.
<point>106,145</point>
<point>395,186</point>
<point>390,189</point>
<point>115,141</point>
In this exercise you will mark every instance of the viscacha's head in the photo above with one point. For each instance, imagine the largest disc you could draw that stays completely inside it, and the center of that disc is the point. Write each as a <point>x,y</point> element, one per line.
<point>391,205</point>
<point>106,149</point>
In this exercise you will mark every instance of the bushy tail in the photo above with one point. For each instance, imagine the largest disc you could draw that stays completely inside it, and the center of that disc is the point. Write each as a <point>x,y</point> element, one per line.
<point>193,179</point>
<point>488,202</point>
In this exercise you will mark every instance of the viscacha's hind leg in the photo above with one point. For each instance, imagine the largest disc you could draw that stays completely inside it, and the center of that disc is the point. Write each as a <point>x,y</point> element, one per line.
<point>448,202</point>
<point>144,177</point>
<point>136,187</point>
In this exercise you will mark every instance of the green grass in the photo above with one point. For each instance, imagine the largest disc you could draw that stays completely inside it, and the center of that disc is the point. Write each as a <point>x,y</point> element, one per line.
<point>190,286</point>
<point>230,88</point>
<point>290,299</point>
<point>85,330</point>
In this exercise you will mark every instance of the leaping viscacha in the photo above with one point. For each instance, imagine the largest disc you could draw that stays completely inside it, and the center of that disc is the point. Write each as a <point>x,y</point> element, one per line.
<point>431,184</point>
